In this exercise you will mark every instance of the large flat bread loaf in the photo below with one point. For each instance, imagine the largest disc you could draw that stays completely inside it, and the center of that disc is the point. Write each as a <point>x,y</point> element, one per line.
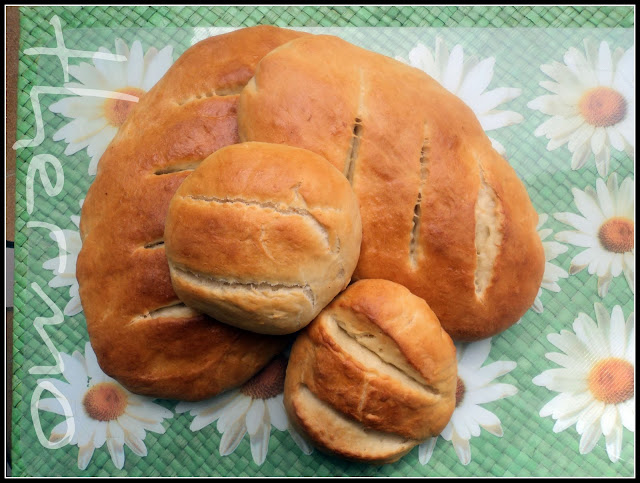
<point>141,333</point>
<point>442,212</point>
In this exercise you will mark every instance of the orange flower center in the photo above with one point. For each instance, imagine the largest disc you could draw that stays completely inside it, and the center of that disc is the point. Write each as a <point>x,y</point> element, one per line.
<point>616,234</point>
<point>105,401</point>
<point>611,380</point>
<point>459,391</point>
<point>602,106</point>
<point>269,382</point>
<point>116,111</point>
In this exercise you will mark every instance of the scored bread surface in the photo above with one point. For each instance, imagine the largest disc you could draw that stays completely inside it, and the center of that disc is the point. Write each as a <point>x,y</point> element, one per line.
<point>373,375</point>
<point>142,334</point>
<point>442,212</point>
<point>263,236</point>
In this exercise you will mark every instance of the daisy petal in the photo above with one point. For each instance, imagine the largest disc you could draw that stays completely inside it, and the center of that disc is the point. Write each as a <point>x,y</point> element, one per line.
<point>628,275</point>
<point>565,422</point>
<point>277,413</point>
<point>492,99</point>
<point>587,205</point>
<point>615,138</point>
<point>578,222</point>
<point>617,333</point>
<point>425,450</point>
<point>580,156</point>
<point>627,413</point>
<point>304,446</point>
<point>568,343</point>
<point>589,438</point>
<point>576,238</point>
<point>609,419</point>
<point>453,72</point>
<point>603,285</point>
<point>234,413</point>
<point>93,369</point>
<point>613,442</point>
<point>135,443</point>
<point>473,355</point>
<point>478,79</point>
<point>487,420</point>
<point>498,146</point>
<point>624,78</point>
<point>463,450</point>
<point>255,416</point>
<point>630,353</point>
<point>499,119</point>
<point>116,450</point>
<point>604,69</point>
<point>135,65</point>
<point>88,76</point>
<point>260,444</point>
<point>590,417</point>
<point>232,437</point>
<point>486,374</point>
<point>560,380</point>
<point>84,456</point>
<point>604,199</point>
<point>157,67</point>
<point>490,393</point>
<point>603,159</point>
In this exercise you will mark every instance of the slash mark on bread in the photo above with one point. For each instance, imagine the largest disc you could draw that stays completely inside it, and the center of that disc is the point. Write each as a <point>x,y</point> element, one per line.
<point>177,310</point>
<point>154,244</point>
<point>222,92</point>
<point>178,168</point>
<point>219,284</point>
<point>366,349</point>
<point>354,147</point>
<point>489,218</point>
<point>268,206</point>
<point>414,244</point>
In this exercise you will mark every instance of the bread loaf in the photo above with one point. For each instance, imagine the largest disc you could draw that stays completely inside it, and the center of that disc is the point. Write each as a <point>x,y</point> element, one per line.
<point>442,212</point>
<point>262,236</point>
<point>373,375</point>
<point>142,334</point>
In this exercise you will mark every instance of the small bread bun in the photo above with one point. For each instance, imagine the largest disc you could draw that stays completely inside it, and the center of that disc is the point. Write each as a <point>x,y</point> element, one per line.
<point>373,375</point>
<point>262,236</point>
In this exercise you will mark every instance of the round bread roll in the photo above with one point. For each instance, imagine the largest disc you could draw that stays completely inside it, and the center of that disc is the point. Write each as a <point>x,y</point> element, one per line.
<point>373,375</point>
<point>262,237</point>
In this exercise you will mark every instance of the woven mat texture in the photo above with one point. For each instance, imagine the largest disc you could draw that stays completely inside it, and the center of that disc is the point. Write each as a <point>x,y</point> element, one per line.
<point>529,447</point>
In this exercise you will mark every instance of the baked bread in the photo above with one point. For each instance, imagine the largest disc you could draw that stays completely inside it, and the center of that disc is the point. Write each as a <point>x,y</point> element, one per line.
<point>142,334</point>
<point>442,212</point>
<point>373,375</point>
<point>262,236</point>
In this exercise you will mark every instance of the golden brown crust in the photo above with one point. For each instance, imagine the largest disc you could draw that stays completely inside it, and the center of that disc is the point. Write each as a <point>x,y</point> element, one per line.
<point>123,272</point>
<point>376,365</point>
<point>429,184</point>
<point>263,236</point>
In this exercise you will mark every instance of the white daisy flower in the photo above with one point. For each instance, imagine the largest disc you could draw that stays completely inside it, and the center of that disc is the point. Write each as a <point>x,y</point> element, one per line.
<point>605,229</point>
<point>592,104</point>
<point>475,387</point>
<point>103,411</point>
<point>96,119</point>
<point>552,273</point>
<point>468,79</point>
<point>67,277</point>
<point>253,408</point>
<point>595,380</point>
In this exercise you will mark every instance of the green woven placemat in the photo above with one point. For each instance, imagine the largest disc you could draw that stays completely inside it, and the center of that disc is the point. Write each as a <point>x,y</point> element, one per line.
<point>521,39</point>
